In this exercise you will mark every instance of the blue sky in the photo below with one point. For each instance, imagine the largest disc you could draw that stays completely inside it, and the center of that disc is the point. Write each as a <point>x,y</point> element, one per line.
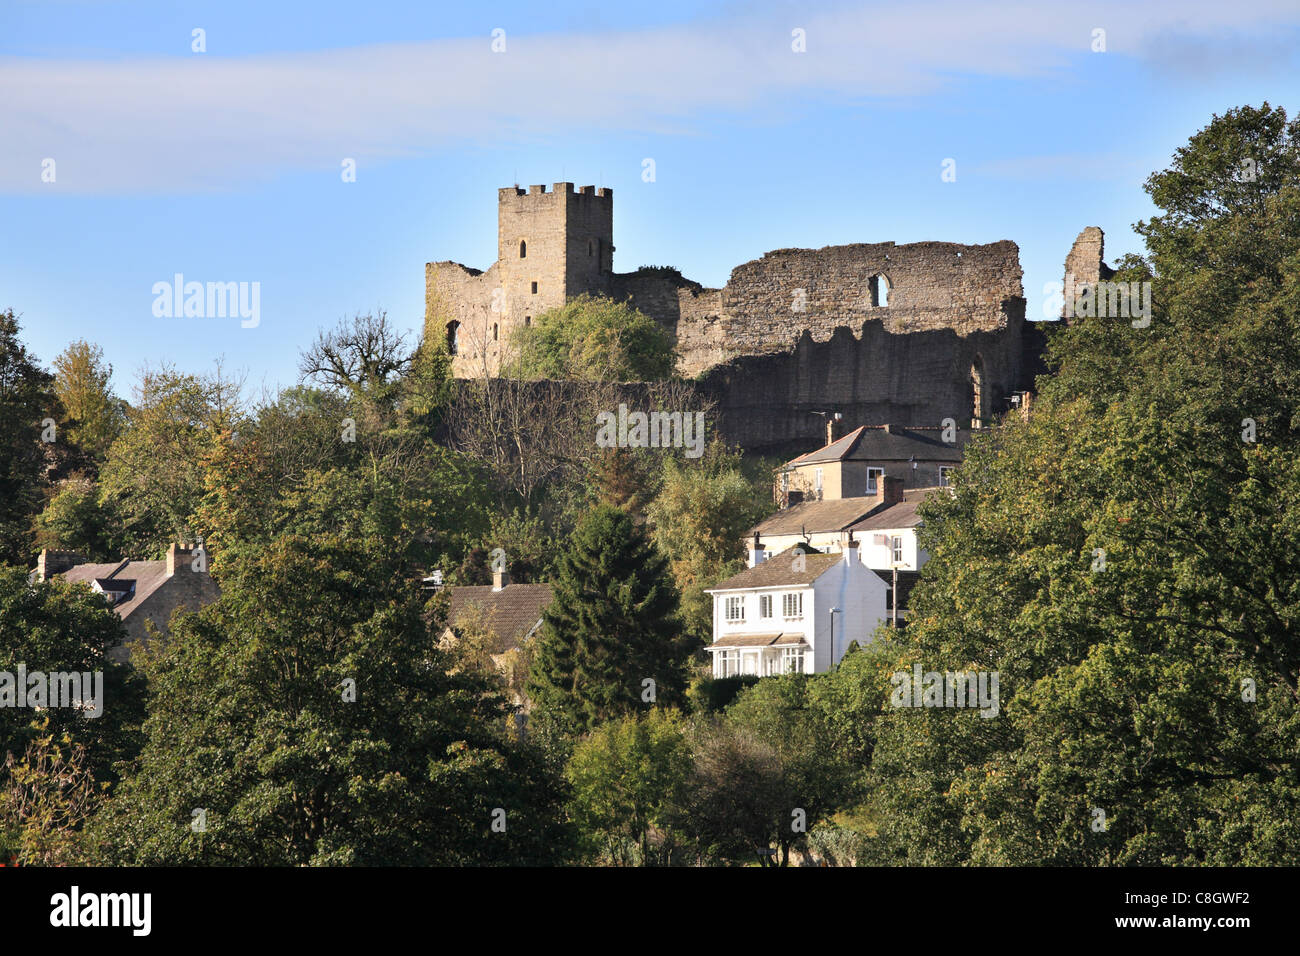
<point>225,165</point>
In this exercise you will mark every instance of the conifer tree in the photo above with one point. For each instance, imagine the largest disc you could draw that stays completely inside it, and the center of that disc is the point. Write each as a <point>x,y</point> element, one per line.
<point>611,630</point>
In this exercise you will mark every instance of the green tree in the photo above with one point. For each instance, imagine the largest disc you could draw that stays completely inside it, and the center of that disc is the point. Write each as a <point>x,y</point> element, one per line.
<point>154,474</point>
<point>95,415</point>
<point>1126,562</point>
<point>596,339</point>
<point>76,520</point>
<point>817,774</point>
<point>699,520</point>
<point>312,716</point>
<point>60,627</point>
<point>45,800</point>
<point>27,399</point>
<point>611,627</point>
<point>629,778</point>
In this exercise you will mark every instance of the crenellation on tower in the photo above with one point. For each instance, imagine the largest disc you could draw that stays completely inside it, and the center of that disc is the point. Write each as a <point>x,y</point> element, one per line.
<point>905,333</point>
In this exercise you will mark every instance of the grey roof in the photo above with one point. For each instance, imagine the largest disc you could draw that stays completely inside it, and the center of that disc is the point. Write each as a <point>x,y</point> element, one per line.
<point>778,571</point>
<point>889,443</point>
<point>843,514</point>
<point>117,577</point>
<point>901,515</point>
<point>511,612</point>
<point>814,517</point>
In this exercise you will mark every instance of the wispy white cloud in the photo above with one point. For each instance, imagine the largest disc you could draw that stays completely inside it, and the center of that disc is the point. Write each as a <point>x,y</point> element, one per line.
<point>181,124</point>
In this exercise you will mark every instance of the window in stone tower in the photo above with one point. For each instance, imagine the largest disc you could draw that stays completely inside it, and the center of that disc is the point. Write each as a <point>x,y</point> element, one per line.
<point>528,320</point>
<point>534,288</point>
<point>494,331</point>
<point>523,249</point>
<point>453,330</point>
<point>879,290</point>
<point>591,248</point>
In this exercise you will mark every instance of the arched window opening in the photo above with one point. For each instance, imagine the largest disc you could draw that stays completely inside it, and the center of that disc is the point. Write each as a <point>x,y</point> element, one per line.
<point>523,249</point>
<point>494,331</point>
<point>879,290</point>
<point>453,337</point>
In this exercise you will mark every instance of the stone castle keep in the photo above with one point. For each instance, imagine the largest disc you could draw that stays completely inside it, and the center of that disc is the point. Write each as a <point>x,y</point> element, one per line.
<point>907,334</point>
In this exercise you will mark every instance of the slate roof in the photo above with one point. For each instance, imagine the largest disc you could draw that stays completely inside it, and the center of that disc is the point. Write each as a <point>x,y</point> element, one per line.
<point>843,514</point>
<point>814,517</point>
<point>778,571</point>
<point>901,515</point>
<point>512,612</point>
<point>148,576</point>
<point>889,443</point>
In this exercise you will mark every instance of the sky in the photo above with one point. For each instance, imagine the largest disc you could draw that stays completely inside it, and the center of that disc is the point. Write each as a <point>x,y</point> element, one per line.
<point>227,164</point>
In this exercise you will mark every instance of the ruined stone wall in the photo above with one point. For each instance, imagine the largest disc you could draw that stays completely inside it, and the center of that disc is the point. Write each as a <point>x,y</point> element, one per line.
<point>879,332</point>
<point>769,303</point>
<point>767,403</point>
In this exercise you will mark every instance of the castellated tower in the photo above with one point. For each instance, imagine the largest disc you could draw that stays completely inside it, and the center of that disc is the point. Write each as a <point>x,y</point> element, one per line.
<point>552,245</point>
<point>909,335</point>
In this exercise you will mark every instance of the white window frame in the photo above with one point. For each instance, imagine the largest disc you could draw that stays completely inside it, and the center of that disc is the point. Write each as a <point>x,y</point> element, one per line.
<point>896,549</point>
<point>792,605</point>
<point>792,660</point>
<point>734,606</point>
<point>873,477</point>
<point>765,605</point>
<point>944,472</point>
<point>727,663</point>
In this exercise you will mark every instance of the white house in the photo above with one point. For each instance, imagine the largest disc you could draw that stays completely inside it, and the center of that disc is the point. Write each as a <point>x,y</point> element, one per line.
<point>795,612</point>
<point>883,527</point>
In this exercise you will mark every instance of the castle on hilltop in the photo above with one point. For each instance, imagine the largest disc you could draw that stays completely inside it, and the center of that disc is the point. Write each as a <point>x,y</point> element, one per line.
<point>879,332</point>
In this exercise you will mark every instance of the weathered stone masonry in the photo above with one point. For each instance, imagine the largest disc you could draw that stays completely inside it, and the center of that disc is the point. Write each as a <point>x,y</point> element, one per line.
<point>905,334</point>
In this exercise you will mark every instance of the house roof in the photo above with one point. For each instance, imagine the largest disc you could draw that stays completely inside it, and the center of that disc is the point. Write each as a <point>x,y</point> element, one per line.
<point>843,514</point>
<point>888,443</point>
<point>900,515</point>
<point>811,517</point>
<point>758,640</point>
<point>117,578</point>
<point>778,571</point>
<point>512,612</point>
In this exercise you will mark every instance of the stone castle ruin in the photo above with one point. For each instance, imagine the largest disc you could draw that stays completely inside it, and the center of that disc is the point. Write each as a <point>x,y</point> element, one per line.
<point>909,334</point>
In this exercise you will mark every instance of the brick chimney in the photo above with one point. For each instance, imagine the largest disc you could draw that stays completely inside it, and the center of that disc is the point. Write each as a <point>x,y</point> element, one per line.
<point>889,491</point>
<point>833,427</point>
<point>851,551</point>
<point>757,553</point>
<point>178,558</point>
<point>51,563</point>
<point>500,579</point>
